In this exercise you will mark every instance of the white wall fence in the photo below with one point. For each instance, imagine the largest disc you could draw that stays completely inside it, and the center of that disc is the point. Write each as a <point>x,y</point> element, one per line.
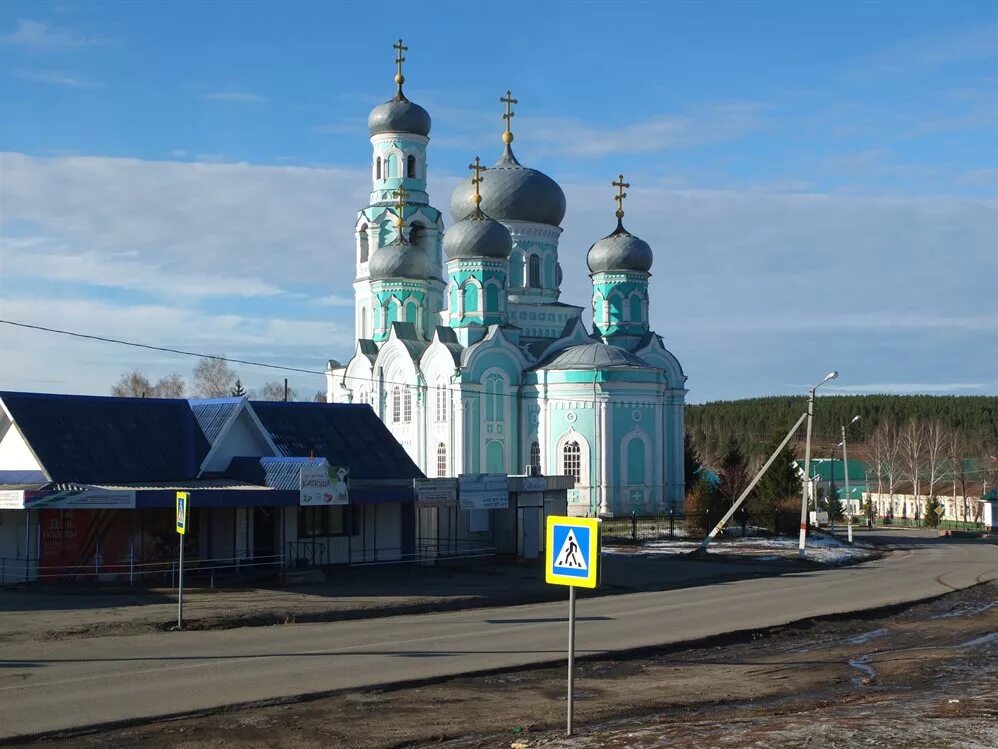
<point>958,508</point>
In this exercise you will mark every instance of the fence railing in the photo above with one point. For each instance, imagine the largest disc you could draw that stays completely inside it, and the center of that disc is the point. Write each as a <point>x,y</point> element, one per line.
<point>19,570</point>
<point>676,525</point>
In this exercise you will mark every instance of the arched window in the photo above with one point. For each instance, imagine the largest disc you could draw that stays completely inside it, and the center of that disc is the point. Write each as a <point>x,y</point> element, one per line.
<point>388,166</point>
<point>492,298</point>
<point>406,405</point>
<point>364,249</point>
<point>396,404</point>
<point>411,311</point>
<point>535,456</point>
<point>441,403</point>
<point>494,396</point>
<point>410,167</point>
<point>534,272</point>
<point>495,457</point>
<point>616,303</point>
<point>377,168</point>
<point>362,395</point>
<point>636,315</point>
<point>470,298</point>
<point>635,461</point>
<point>572,460</point>
<point>441,460</point>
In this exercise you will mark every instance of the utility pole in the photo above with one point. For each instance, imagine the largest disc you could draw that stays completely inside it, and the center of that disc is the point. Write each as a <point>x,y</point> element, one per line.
<point>807,463</point>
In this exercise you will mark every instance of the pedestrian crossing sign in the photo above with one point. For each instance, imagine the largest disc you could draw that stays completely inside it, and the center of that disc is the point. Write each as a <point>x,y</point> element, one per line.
<point>183,499</point>
<point>572,551</point>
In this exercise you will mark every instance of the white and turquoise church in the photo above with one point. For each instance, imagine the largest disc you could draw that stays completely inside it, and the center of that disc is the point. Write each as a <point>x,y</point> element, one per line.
<point>466,351</point>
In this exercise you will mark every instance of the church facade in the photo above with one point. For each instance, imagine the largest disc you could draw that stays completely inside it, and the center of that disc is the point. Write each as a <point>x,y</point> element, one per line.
<point>466,351</point>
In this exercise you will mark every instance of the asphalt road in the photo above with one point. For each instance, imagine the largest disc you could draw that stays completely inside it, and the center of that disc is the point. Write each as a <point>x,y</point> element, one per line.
<point>48,686</point>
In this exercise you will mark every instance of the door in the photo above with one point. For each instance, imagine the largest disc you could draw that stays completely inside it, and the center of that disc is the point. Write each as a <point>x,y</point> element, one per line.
<point>531,528</point>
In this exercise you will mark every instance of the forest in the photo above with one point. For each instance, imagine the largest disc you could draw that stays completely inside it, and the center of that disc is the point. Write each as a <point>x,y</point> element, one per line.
<point>969,421</point>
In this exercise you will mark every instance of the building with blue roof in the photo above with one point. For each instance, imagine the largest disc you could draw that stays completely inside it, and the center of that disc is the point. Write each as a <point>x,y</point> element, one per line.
<point>87,476</point>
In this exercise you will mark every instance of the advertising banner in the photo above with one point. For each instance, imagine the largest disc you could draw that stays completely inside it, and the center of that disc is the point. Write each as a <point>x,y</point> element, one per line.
<point>483,491</point>
<point>12,499</point>
<point>321,484</point>
<point>435,492</point>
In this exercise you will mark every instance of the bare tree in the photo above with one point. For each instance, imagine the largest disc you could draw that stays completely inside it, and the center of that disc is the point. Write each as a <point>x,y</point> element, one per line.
<point>136,384</point>
<point>132,384</point>
<point>936,439</point>
<point>274,391</point>
<point>913,447</point>
<point>171,386</point>
<point>213,379</point>
<point>957,449</point>
<point>320,396</point>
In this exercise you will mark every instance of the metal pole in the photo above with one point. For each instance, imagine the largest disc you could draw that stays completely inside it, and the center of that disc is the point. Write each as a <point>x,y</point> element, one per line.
<point>806,484</point>
<point>749,488</point>
<point>27,544</point>
<point>180,578</point>
<point>845,469</point>
<point>571,657</point>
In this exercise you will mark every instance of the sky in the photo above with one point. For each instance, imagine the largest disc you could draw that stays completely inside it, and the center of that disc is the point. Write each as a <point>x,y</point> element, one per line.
<point>818,181</point>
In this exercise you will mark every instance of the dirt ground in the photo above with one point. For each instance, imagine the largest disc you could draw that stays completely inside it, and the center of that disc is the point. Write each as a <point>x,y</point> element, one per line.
<point>924,677</point>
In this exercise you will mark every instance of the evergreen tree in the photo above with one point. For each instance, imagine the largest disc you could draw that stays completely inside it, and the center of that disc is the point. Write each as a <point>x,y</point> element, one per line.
<point>780,484</point>
<point>691,462</point>
<point>833,504</point>
<point>733,472</point>
<point>932,512</point>
<point>238,390</point>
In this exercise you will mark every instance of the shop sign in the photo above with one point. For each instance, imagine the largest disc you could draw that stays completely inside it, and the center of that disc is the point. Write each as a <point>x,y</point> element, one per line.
<point>322,484</point>
<point>12,499</point>
<point>86,498</point>
<point>435,492</point>
<point>483,491</point>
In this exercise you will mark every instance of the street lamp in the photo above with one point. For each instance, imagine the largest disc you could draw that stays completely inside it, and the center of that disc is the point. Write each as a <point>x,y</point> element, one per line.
<point>807,462</point>
<point>845,466</point>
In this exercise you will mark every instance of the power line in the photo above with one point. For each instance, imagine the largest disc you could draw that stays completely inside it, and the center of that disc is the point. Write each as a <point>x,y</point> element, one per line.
<point>150,347</point>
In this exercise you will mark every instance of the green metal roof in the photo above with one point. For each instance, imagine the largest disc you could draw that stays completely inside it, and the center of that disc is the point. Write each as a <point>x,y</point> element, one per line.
<point>824,469</point>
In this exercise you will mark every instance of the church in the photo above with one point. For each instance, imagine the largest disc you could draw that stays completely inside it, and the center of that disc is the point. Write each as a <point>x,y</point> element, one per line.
<point>466,351</point>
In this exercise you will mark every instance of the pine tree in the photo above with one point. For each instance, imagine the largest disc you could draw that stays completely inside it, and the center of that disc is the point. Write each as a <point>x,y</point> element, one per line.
<point>833,503</point>
<point>932,514</point>
<point>733,472</point>
<point>238,391</point>
<point>780,484</point>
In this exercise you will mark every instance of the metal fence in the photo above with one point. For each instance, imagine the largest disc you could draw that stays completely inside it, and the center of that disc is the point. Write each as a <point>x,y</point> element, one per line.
<point>674,525</point>
<point>218,569</point>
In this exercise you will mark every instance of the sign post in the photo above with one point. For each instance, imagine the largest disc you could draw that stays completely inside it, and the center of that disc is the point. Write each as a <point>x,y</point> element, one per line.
<point>183,508</point>
<point>572,559</point>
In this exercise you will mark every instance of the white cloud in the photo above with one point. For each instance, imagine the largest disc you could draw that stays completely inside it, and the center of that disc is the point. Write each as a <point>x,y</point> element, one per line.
<point>40,36</point>
<point>58,78</point>
<point>979,42</point>
<point>906,388</point>
<point>240,97</point>
<point>890,289</point>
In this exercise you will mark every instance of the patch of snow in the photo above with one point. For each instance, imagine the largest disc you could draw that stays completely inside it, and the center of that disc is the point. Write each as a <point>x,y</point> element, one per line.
<point>861,663</point>
<point>985,640</point>
<point>866,637</point>
<point>966,611</point>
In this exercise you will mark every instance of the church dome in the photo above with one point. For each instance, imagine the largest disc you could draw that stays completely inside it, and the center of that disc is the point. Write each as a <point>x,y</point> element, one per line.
<point>594,355</point>
<point>621,250</point>
<point>512,192</point>
<point>398,260</point>
<point>399,115</point>
<point>478,236</point>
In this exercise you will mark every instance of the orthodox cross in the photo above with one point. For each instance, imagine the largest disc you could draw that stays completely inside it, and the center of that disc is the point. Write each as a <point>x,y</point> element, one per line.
<point>509,101</point>
<point>400,195</point>
<point>399,59</point>
<point>477,179</point>
<point>619,197</point>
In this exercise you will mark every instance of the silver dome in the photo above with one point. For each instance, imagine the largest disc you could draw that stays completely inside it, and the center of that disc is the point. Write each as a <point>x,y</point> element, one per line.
<point>399,115</point>
<point>591,356</point>
<point>620,251</point>
<point>512,192</point>
<point>398,260</point>
<point>478,236</point>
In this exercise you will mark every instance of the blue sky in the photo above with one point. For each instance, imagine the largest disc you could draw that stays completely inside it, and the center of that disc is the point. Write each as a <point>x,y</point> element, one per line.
<point>819,181</point>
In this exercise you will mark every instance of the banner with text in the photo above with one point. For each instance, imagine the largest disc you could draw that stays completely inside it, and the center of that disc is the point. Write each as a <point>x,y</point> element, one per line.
<point>483,491</point>
<point>323,484</point>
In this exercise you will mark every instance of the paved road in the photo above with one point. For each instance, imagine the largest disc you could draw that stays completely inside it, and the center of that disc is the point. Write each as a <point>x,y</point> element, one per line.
<point>48,686</point>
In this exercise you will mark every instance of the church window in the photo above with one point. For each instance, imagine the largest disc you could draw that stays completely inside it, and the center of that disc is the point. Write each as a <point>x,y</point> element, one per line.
<point>470,298</point>
<point>535,456</point>
<point>492,298</point>
<point>616,309</point>
<point>441,403</point>
<point>364,248</point>
<point>635,308</point>
<point>410,312</point>
<point>495,457</point>
<point>363,321</point>
<point>572,460</point>
<point>635,461</point>
<point>441,460</point>
<point>494,406</point>
<point>410,167</point>
<point>362,396</point>
<point>534,272</point>
<point>406,405</point>
<point>396,404</point>
<point>377,168</point>
<point>417,234</point>
<point>389,162</point>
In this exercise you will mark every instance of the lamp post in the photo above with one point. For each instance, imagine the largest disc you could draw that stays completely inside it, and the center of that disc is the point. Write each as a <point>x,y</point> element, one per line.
<point>845,469</point>
<point>807,462</point>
